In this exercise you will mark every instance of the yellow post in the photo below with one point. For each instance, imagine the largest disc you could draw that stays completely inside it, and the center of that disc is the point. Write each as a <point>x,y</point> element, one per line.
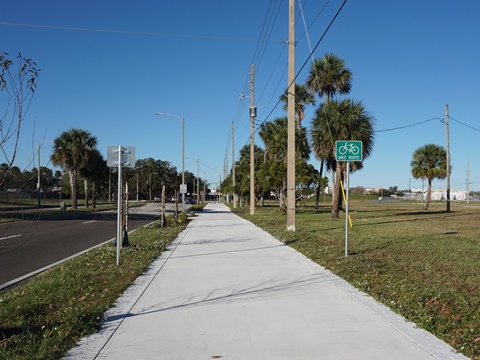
<point>345,202</point>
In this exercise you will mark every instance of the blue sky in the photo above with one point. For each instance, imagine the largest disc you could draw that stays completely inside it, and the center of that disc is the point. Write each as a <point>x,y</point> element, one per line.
<point>109,66</point>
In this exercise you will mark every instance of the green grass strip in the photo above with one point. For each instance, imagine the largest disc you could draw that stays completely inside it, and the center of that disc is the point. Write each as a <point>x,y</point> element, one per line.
<point>422,264</point>
<point>45,317</point>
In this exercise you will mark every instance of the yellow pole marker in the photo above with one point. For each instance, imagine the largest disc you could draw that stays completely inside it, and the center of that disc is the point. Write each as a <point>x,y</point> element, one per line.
<point>345,202</point>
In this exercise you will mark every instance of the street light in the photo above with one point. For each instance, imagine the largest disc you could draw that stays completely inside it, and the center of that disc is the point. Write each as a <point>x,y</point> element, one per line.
<point>150,183</point>
<point>183,153</point>
<point>40,143</point>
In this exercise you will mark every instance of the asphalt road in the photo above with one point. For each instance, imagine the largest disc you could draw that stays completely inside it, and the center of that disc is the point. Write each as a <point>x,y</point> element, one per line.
<point>29,245</point>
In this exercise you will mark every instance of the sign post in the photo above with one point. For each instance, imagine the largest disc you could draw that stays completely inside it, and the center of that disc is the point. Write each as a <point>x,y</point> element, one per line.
<point>121,157</point>
<point>347,151</point>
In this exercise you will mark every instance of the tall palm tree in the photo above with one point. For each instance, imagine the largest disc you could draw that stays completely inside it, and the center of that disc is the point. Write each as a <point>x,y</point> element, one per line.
<point>341,120</point>
<point>328,76</point>
<point>71,151</point>
<point>303,97</point>
<point>429,162</point>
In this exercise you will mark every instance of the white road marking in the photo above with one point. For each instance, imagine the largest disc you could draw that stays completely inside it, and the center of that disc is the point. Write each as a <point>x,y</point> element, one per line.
<point>11,236</point>
<point>87,222</point>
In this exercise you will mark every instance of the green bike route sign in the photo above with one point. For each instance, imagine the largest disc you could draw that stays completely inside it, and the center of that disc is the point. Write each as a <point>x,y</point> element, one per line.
<point>347,150</point>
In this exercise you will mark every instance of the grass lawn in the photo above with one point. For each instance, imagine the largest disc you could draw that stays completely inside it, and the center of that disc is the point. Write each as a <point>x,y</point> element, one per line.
<point>422,264</point>
<point>44,317</point>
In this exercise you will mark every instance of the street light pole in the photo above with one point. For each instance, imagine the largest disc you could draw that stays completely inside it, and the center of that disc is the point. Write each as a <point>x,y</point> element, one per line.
<point>150,183</point>
<point>182,120</point>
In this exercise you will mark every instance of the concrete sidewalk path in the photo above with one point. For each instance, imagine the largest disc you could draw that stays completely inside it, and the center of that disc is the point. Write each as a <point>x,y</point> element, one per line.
<point>226,289</point>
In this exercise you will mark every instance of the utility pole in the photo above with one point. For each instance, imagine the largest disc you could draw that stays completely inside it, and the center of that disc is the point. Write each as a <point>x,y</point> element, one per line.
<point>226,163</point>
<point>253,114</point>
<point>233,168</point>
<point>291,120</point>
<point>448,159</point>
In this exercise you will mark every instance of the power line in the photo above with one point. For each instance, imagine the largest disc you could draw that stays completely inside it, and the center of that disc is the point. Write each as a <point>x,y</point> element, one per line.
<point>306,61</point>
<point>309,55</point>
<point>406,126</point>
<point>461,123</point>
<point>113,31</point>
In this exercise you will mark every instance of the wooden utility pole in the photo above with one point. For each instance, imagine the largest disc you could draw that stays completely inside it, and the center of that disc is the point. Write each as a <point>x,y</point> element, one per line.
<point>291,120</point>
<point>448,159</point>
<point>233,168</point>
<point>253,114</point>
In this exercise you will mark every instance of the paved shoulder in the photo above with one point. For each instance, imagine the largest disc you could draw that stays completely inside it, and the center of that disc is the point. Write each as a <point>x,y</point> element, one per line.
<point>227,289</point>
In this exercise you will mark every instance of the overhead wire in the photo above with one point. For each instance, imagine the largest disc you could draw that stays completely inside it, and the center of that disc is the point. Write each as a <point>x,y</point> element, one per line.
<point>410,125</point>
<point>461,123</point>
<point>304,64</point>
<point>308,57</point>
<point>270,19</point>
<point>132,32</point>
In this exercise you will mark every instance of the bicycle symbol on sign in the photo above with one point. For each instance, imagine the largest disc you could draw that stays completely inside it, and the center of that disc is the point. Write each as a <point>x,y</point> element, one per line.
<point>351,148</point>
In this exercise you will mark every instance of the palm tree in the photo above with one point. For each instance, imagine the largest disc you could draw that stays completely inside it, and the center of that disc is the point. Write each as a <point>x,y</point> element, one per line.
<point>71,151</point>
<point>303,97</point>
<point>274,135</point>
<point>329,76</point>
<point>93,170</point>
<point>429,162</point>
<point>341,120</point>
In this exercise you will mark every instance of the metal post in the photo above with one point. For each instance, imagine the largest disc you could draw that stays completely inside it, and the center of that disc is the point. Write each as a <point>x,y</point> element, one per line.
<point>233,168</point>
<point>183,161</point>
<point>198,181</point>
<point>119,203</point>
<point>448,159</point>
<point>38,181</point>
<point>347,190</point>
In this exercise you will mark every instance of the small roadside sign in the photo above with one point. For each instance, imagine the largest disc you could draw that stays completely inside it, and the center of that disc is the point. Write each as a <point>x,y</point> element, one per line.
<point>347,150</point>
<point>183,188</point>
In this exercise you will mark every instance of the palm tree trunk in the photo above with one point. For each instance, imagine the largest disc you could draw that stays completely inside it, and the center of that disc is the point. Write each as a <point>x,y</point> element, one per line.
<point>282,198</point>
<point>73,187</point>
<point>337,195</point>
<point>317,194</point>
<point>94,204</point>
<point>332,175</point>
<point>85,186</point>
<point>429,194</point>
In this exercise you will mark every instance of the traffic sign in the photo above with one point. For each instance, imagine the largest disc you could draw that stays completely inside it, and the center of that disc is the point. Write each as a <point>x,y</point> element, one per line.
<point>347,150</point>
<point>127,156</point>
<point>183,188</point>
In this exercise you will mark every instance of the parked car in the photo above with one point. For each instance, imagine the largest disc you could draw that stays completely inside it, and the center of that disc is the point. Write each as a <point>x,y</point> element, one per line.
<point>190,200</point>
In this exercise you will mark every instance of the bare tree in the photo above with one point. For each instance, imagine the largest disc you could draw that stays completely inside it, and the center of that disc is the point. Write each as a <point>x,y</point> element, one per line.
<point>18,81</point>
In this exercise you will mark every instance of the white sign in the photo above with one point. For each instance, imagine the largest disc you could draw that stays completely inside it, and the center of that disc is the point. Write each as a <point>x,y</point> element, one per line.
<point>183,189</point>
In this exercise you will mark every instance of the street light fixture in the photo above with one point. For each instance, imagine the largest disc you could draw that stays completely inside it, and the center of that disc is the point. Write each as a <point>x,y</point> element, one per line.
<point>39,188</point>
<point>183,153</point>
